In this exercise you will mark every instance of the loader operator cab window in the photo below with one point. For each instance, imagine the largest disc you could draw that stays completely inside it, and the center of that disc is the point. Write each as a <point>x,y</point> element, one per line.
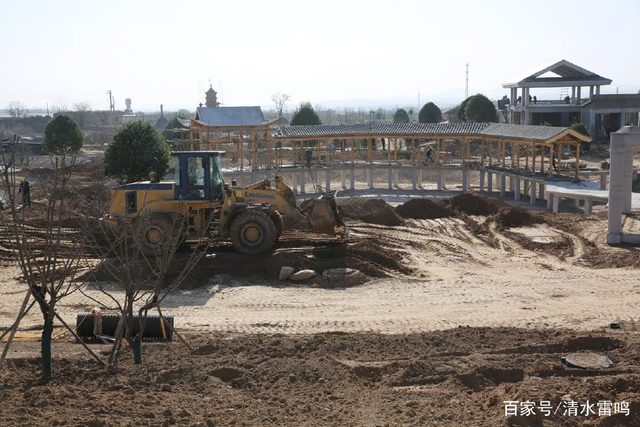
<point>195,173</point>
<point>215,175</point>
<point>198,176</point>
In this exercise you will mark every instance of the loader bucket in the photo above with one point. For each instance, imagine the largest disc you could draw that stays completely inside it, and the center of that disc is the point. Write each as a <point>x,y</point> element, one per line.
<point>324,216</point>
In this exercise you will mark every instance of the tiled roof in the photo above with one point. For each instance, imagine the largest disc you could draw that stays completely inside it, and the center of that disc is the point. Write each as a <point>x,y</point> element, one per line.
<point>539,133</point>
<point>564,73</point>
<point>426,130</point>
<point>381,129</point>
<point>230,116</point>
<point>614,101</point>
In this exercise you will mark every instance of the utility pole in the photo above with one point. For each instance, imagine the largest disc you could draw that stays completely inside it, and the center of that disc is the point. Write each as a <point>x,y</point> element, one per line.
<point>111,103</point>
<point>466,82</point>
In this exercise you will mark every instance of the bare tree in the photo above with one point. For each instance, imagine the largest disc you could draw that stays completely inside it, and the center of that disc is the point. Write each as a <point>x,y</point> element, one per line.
<point>142,278</point>
<point>280,99</point>
<point>82,106</point>
<point>46,252</point>
<point>60,105</point>
<point>17,109</point>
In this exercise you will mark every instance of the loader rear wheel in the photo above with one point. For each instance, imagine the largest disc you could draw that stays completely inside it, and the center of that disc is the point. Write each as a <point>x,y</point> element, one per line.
<point>153,233</point>
<point>253,232</point>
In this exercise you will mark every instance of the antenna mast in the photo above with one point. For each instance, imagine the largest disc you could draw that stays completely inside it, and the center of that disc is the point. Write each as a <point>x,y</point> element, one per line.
<point>466,82</point>
<point>111,103</point>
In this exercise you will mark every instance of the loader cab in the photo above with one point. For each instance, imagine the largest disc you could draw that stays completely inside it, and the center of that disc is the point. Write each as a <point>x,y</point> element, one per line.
<point>198,175</point>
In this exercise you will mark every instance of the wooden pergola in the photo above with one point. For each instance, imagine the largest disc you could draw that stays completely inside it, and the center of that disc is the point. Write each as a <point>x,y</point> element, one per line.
<point>253,143</point>
<point>478,144</point>
<point>520,148</point>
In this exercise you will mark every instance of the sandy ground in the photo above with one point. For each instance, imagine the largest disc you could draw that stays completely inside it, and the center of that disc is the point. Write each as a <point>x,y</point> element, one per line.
<point>458,280</point>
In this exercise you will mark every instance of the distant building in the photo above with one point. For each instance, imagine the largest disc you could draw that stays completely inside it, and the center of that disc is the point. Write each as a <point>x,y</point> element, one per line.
<point>211,99</point>
<point>161,123</point>
<point>230,116</point>
<point>601,114</point>
<point>128,110</point>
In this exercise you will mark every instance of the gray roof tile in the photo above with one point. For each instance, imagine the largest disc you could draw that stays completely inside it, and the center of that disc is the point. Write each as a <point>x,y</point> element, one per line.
<point>380,129</point>
<point>230,116</point>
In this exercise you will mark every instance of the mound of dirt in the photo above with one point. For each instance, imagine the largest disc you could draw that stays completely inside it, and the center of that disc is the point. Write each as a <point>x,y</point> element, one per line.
<point>515,216</point>
<point>373,211</point>
<point>476,204</point>
<point>424,209</point>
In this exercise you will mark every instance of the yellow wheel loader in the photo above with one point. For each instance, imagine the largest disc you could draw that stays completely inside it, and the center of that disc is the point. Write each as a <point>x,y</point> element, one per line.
<point>208,210</point>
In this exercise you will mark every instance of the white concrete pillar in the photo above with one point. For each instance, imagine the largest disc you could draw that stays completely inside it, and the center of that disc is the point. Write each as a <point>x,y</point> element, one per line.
<point>549,201</point>
<point>353,178</point>
<point>327,179</point>
<point>503,182</point>
<point>465,179</point>
<point>620,179</point>
<point>587,206</point>
<point>489,182</point>
<point>371,186</point>
<point>541,190</point>
<point>420,178</point>
<point>302,183</point>
<point>532,193</point>
<point>414,178</point>
<point>389,178</point>
<point>294,182</point>
<point>516,187</point>
<point>482,173</point>
<point>578,95</point>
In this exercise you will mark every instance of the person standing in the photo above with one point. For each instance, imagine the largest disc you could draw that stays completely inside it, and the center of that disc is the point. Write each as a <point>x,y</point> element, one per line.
<point>25,190</point>
<point>308,157</point>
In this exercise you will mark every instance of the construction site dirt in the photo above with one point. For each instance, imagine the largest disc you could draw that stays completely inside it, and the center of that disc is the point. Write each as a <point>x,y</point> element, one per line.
<point>469,302</point>
<point>462,376</point>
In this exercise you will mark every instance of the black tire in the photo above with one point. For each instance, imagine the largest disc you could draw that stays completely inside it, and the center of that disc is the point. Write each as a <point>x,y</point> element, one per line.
<point>152,326</point>
<point>276,217</point>
<point>152,233</point>
<point>253,232</point>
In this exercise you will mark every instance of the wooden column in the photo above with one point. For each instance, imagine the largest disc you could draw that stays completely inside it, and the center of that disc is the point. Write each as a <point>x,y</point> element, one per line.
<point>533,159</point>
<point>490,154</point>
<point>318,142</point>
<point>559,161</point>
<point>395,150</point>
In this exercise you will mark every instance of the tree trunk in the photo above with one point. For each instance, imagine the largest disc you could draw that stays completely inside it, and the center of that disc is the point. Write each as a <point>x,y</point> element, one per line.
<point>137,349</point>
<point>45,348</point>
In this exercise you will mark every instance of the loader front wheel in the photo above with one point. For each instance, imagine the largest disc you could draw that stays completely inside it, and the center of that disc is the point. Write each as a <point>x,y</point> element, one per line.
<point>253,232</point>
<point>276,217</point>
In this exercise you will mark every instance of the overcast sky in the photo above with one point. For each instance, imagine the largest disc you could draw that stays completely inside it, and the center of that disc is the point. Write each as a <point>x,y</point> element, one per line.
<point>65,52</point>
